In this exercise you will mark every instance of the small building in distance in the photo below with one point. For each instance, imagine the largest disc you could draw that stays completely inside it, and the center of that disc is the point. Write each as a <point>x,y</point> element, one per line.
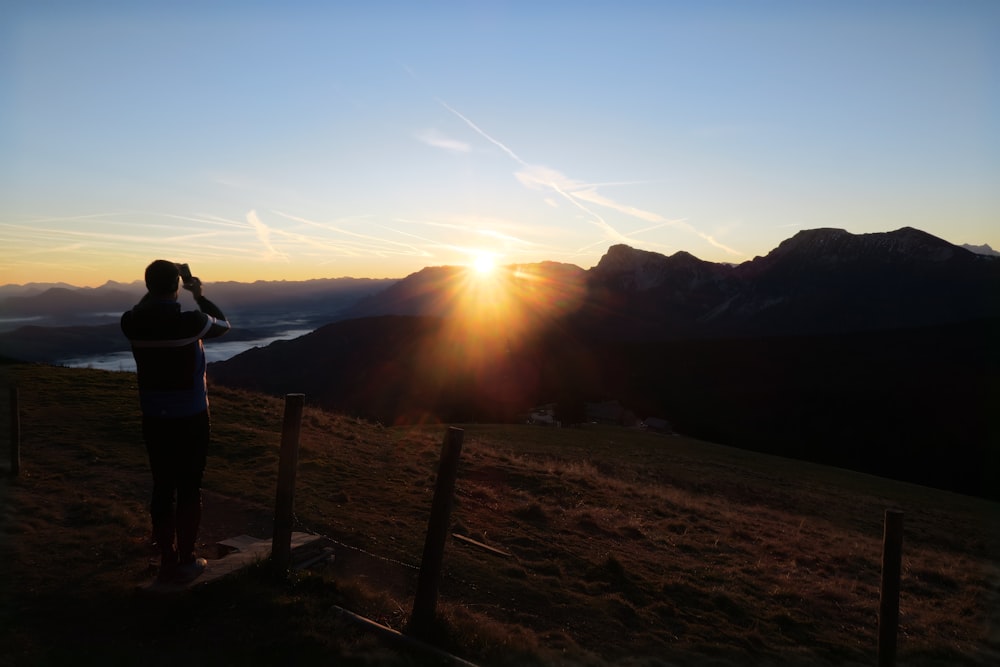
<point>657,425</point>
<point>543,415</point>
<point>611,412</point>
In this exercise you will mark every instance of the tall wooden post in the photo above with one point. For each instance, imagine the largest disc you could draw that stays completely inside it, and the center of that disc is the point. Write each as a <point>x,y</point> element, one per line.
<point>888,611</point>
<point>15,433</point>
<point>281,542</point>
<point>425,603</point>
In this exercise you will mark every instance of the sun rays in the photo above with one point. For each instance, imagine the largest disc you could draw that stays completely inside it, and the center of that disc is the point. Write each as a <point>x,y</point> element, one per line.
<point>488,309</point>
<point>483,265</point>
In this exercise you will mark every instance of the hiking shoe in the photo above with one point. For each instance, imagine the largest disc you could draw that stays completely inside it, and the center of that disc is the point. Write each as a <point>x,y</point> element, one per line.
<point>187,572</point>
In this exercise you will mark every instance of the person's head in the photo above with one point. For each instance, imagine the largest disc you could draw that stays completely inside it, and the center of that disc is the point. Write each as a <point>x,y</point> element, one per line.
<point>162,278</point>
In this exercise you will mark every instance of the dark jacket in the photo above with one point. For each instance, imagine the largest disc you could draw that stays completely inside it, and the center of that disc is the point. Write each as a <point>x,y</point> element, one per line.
<point>169,356</point>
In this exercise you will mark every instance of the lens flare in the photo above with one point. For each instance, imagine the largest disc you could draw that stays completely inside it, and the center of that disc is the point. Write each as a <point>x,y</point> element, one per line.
<point>484,264</point>
<point>486,331</point>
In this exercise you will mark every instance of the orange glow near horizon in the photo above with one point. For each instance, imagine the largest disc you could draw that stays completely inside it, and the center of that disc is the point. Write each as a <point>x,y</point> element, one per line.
<point>488,317</point>
<point>129,268</point>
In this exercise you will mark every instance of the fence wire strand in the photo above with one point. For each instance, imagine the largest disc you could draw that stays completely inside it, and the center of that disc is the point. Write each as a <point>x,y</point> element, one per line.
<point>447,572</point>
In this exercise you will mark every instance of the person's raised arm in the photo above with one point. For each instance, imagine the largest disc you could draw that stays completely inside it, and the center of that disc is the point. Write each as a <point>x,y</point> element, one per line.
<point>221,324</point>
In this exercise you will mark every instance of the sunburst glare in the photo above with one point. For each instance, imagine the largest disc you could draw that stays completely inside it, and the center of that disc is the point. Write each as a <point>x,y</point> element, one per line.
<point>484,264</point>
<point>490,309</point>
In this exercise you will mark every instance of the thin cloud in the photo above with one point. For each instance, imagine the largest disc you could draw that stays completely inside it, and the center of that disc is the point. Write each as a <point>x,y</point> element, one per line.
<point>44,234</point>
<point>537,177</point>
<point>356,243</point>
<point>726,249</point>
<point>436,139</point>
<point>592,196</point>
<point>507,238</point>
<point>596,219</point>
<point>264,236</point>
<point>493,227</point>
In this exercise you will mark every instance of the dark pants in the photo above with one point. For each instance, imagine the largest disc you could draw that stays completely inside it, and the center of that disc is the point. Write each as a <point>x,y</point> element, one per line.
<point>177,450</point>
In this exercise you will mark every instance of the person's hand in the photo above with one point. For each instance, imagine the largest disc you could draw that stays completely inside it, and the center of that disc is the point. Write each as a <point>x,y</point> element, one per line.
<point>194,287</point>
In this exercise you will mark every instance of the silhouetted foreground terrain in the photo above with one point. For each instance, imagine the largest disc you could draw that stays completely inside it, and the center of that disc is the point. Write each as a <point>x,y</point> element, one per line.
<point>622,547</point>
<point>909,404</point>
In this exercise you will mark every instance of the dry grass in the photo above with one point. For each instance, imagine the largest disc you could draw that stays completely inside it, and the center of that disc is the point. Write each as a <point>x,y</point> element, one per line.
<point>626,547</point>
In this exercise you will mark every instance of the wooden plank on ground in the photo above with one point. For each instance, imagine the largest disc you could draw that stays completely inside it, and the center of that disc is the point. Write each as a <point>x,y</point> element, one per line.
<point>247,550</point>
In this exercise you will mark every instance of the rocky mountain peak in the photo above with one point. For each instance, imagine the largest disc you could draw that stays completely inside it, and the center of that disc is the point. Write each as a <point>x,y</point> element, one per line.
<point>829,247</point>
<point>641,270</point>
<point>629,267</point>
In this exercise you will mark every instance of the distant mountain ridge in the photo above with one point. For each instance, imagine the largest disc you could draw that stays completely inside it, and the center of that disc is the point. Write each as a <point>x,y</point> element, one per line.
<point>983,249</point>
<point>319,300</point>
<point>59,301</point>
<point>816,282</point>
<point>875,352</point>
<point>859,277</point>
<point>48,323</point>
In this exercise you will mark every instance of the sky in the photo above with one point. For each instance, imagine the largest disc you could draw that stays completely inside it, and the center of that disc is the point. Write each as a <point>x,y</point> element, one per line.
<point>296,140</point>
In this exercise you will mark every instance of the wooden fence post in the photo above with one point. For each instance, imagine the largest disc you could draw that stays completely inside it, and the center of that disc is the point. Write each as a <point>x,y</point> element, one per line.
<point>15,433</point>
<point>425,603</point>
<point>888,611</point>
<point>281,541</point>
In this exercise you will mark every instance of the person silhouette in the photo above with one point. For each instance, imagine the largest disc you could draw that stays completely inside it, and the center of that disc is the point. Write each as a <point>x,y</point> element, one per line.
<point>176,427</point>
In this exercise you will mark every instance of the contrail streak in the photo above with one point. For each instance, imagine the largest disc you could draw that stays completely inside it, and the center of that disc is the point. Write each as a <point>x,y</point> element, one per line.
<point>264,236</point>
<point>574,192</point>
<point>484,135</point>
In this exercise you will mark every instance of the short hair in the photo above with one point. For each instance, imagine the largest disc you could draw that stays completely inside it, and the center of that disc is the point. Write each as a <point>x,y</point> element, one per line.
<point>162,277</point>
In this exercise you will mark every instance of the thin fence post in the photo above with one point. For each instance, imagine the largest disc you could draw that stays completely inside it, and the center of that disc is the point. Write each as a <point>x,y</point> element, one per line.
<point>425,602</point>
<point>281,542</point>
<point>888,611</point>
<point>15,433</point>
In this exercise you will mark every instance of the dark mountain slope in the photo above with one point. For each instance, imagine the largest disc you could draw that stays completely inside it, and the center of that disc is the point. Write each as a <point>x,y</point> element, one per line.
<point>827,280</point>
<point>636,294</point>
<point>913,404</point>
<point>391,369</point>
<point>876,352</point>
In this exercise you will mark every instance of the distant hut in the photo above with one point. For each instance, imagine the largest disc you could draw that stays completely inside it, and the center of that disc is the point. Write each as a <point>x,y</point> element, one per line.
<point>658,425</point>
<point>544,415</point>
<point>611,412</point>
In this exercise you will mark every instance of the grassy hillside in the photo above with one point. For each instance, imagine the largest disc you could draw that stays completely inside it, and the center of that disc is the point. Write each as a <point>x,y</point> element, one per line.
<point>624,547</point>
<point>913,405</point>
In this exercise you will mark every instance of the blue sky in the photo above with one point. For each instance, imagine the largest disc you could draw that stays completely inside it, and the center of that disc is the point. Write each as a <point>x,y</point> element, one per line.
<point>301,140</point>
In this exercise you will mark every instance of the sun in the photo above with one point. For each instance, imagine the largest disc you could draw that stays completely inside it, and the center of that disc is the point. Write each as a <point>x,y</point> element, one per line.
<point>484,264</point>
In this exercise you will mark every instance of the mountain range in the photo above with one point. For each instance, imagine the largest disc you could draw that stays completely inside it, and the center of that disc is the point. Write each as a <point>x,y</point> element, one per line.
<point>875,352</point>
<point>54,322</point>
<point>822,280</point>
<point>59,304</point>
<point>818,282</point>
